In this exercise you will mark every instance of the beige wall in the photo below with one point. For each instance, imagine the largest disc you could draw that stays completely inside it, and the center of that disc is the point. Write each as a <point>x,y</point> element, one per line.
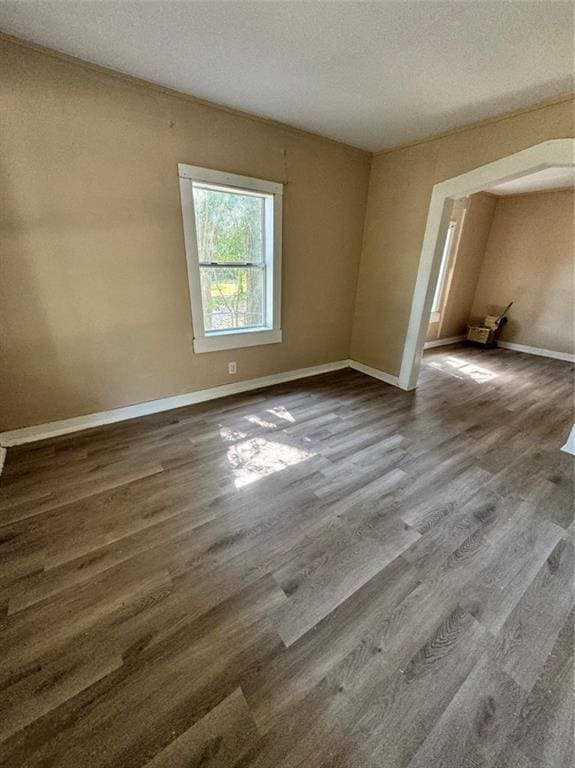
<point>94,306</point>
<point>399,194</point>
<point>530,260</point>
<point>462,278</point>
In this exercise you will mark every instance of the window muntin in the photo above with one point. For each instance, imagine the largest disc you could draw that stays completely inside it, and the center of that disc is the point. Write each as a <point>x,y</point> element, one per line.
<point>232,297</point>
<point>230,231</point>
<point>232,227</point>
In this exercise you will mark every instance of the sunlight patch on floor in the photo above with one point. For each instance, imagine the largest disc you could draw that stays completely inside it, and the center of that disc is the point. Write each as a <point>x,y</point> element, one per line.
<point>261,422</point>
<point>253,459</point>
<point>478,373</point>
<point>231,435</point>
<point>282,413</point>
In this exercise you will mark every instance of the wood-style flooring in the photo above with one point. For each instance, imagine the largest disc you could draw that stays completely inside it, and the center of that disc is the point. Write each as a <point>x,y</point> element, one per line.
<point>327,573</point>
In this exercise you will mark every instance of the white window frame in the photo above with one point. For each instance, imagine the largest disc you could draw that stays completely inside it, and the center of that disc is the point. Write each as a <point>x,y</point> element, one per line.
<point>270,332</point>
<point>445,257</point>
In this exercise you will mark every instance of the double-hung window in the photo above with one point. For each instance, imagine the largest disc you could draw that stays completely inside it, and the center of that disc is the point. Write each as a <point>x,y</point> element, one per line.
<point>232,230</point>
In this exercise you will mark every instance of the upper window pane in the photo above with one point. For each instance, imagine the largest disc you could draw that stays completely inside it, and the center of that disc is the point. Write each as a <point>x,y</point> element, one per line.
<point>229,226</point>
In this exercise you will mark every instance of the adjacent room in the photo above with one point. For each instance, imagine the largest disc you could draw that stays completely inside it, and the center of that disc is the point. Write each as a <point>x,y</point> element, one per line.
<point>287,344</point>
<point>511,245</point>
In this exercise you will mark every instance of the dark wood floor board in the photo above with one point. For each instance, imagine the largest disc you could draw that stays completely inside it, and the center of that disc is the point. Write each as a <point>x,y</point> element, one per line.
<point>351,502</point>
<point>515,551</point>
<point>523,477</point>
<point>41,686</point>
<point>328,573</point>
<point>337,484</point>
<point>474,728</point>
<point>330,583</point>
<point>417,507</point>
<point>177,682</point>
<point>443,534</point>
<point>408,702</point>
<point>63,574</point>
<point>528,635</point>
<point>544,729</point>
<point>355,622</point>
<point>42,629</point>
<point>511,757</point>
<point>114,478</point>
<point>379,520</point>
<point>218,740</point>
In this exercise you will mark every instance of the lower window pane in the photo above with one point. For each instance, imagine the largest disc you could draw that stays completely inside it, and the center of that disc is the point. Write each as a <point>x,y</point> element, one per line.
<point>232,297</point>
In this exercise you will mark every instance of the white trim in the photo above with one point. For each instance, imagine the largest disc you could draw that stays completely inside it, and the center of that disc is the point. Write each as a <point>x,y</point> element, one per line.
<point>79,423</point>
<point>506,345</point>
<point>445,260</point>
<point>2,458</point>
<point>374,372</point>
<point>435,317</point>
<point>272,192</point>
<point>568,357</point>
<point>549,154</point>
<point>220,178</point>
<point>569,446</point>
<point>444,342</point>
<point>249,338</point>
<point>190,244</point>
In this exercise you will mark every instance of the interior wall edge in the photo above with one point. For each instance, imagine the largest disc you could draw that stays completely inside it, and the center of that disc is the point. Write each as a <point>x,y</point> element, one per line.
<point>375,373</point>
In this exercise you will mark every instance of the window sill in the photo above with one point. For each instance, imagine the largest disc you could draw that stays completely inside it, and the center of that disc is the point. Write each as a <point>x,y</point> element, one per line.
<point>221,341</point>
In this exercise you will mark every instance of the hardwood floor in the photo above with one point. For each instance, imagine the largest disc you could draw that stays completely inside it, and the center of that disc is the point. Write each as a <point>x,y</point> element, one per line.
<point>331,572</point>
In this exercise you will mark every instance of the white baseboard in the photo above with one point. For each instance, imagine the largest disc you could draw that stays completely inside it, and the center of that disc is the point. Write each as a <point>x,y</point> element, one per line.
<point>79,423</point>
<point>444,342</point>
<point>537,351</point>
<point>375,373</point>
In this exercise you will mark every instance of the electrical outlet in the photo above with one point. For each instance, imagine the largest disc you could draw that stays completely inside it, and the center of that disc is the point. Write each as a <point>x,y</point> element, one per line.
<point>232,368</point>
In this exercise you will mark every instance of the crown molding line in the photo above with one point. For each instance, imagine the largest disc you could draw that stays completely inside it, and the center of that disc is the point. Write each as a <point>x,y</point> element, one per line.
<point>182,95</point>
<point>175,93</point>
<point>567,96</point>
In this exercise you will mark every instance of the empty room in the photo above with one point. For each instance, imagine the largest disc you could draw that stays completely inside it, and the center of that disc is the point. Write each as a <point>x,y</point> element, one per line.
<point>287,344</point>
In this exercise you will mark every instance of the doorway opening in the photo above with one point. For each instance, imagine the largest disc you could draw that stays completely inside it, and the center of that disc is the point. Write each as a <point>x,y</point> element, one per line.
<point>555,154</point>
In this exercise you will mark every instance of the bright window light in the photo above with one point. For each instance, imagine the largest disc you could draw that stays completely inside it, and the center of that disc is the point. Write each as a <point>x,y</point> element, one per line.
<point>253,459</point>
<point>436,307</point>
<point>232,228</point>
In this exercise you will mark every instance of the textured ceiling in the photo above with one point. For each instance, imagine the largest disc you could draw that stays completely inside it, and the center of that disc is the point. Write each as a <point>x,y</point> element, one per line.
<point>371,74</point>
